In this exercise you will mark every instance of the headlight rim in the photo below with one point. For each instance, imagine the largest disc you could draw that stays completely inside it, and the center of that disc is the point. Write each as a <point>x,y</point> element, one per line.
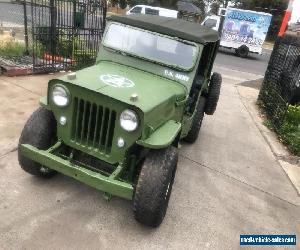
<point>67,94</point>
<point>136,116</point>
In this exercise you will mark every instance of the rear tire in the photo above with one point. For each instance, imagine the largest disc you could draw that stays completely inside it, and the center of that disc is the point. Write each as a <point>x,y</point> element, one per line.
<point>154,186</point>
<point>39,131</point>
<point>193,134</point>
<point>213,93</point>
<point>242,51</point>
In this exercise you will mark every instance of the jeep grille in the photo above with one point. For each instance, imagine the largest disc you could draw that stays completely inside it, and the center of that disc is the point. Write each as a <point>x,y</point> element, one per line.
<point>93,125</point>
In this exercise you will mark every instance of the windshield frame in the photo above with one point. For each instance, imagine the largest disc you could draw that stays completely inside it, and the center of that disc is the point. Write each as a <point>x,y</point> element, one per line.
<point>179,67</point>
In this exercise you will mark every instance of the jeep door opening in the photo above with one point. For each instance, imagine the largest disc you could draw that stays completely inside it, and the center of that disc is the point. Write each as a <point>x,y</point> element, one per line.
<point>116,126</point>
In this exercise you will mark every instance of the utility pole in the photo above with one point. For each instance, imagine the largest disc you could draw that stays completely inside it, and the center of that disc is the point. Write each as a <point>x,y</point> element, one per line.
<point>286,18</point>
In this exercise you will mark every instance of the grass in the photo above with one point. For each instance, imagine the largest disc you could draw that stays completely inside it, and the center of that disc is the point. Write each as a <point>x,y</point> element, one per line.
<point>289,133</point>
<point>9,47</point>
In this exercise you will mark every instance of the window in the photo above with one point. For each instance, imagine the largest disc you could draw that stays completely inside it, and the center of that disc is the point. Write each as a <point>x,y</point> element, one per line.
<point>150,46</point>
<point>210,23</point>
<point>136,10</point>
<point>149,11</point>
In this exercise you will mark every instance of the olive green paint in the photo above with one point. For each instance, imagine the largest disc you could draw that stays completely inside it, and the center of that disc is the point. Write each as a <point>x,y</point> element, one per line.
<point>162,93</point>
<point>91,178</point>
<point>163,136</point>
<point>191,31</point>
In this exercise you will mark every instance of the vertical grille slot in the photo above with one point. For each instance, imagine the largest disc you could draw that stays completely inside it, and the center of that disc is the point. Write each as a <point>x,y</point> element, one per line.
<point>93,125</point>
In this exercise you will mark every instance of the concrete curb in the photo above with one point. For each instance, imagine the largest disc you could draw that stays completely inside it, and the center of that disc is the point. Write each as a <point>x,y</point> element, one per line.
<point>15,71</point>
<point>9,68</point>
<point>236,74</point>
<point>293,172</point>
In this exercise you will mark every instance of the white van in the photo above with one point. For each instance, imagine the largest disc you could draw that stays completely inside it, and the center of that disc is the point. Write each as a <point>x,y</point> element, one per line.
<point>150,10</point>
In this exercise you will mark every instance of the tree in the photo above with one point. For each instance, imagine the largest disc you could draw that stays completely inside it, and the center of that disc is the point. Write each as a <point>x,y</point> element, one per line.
<point>122,4</point>
<point>114,2</point>
<point>261,4</point>
<point>171,4</point>
<point>211,6</point>
<point>132,3</point>
<point>214,8</point>
<point>200,4</point>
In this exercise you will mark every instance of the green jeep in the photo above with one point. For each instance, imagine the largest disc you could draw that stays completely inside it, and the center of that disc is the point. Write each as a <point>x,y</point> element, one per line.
<point>116,126</point>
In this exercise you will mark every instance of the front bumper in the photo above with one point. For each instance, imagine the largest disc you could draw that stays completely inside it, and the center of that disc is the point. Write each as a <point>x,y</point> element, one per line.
<point>108,184</point>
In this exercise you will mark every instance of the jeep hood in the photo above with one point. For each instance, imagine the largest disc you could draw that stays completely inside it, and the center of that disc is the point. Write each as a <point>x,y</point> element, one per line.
<point>121,82</point>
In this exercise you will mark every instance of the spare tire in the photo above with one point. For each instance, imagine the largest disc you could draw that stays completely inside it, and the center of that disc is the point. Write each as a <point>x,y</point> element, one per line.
<point>192,135</point>
<point>213,93</point>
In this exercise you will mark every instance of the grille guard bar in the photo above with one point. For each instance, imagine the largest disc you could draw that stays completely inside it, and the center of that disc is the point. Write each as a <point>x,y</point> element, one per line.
<point>96,180</point>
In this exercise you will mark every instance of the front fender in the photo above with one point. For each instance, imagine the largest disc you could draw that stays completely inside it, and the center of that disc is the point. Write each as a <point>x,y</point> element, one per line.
<point>163,136</point>
<point>44,102</point>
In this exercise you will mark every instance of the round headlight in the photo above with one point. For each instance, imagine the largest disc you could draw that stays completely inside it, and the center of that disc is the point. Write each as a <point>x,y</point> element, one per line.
<point>128,120</point>
<point>60,96</point>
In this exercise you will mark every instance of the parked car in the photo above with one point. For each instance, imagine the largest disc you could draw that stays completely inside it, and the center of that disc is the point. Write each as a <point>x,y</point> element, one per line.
<point>116,126</point>
<point>150,10</point>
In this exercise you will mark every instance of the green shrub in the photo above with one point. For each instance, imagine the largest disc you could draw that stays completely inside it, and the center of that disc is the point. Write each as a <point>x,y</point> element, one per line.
<point>11,48</point>
<point>290,130</point>
<point>37,50</point>
<point>293,115</point>
<point>64,45</point>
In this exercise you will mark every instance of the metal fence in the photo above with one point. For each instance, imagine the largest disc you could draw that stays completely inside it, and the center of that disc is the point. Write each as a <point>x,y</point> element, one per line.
<point>281,85</point>
<point>12,18</point>
<point>66,33</point>
<point>14,43</point>
<point>51,35</point>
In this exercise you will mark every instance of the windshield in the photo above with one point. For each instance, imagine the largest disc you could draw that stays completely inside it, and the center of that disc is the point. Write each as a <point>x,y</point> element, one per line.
<point>150,46</point>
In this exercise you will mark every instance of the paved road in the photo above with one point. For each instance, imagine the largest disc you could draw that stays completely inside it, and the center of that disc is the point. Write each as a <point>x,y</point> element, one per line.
<point>255,64</point>
<point>13,14</point>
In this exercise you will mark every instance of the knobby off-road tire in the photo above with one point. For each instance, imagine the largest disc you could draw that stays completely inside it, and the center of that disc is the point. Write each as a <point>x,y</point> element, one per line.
<point>154,186</point>
<point>213,93</point>
<point>197,121</point>
<point>39,131</point>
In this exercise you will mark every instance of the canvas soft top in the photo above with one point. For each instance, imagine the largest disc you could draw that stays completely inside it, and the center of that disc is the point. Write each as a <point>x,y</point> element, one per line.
<point>170,26</point>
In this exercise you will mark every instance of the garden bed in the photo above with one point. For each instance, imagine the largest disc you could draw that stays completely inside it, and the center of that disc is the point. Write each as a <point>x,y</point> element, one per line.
<point>289,132</point>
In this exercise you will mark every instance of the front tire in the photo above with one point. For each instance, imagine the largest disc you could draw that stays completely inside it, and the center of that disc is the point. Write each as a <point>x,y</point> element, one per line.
<point>39,131</point>
<point>154,186</point>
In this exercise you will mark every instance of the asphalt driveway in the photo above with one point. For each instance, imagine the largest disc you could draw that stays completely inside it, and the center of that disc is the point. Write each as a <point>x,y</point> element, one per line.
<point>228,183</point>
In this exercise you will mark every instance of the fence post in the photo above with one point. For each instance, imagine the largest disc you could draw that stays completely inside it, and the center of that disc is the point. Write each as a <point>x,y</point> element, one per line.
<point>53,33</point>
<point>25,27</point>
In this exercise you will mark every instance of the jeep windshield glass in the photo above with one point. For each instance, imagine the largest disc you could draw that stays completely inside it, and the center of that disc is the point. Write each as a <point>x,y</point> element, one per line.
<point>150,46</point>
